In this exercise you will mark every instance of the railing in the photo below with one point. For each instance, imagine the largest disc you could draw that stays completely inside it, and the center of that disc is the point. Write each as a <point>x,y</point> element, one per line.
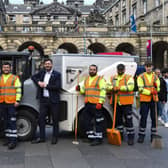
<point>71,30</point>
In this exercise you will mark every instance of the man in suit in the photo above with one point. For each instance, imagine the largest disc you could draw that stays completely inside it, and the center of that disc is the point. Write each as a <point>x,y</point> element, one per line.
<point>48,82</point>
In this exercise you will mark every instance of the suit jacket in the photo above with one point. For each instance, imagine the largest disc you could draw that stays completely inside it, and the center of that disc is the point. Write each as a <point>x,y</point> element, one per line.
<point>54,85</point>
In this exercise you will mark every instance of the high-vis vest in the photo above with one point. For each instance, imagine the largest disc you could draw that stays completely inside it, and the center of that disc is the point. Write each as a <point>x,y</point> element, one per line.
<point>124,97</point>
<point>92,91</point>
<point>8,90</point>
<point>149,86</point>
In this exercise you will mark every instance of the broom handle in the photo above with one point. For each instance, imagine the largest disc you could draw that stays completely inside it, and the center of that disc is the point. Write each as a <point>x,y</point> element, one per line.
<point>156,117</point>
<point>115,107</point>
<point>154,99</point>
<point>76,122</point>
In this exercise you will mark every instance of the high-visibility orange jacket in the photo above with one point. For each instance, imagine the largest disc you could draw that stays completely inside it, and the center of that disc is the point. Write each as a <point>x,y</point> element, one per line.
<point>148,86</point>
<point>8,89</point>
<point>92,90</point>
<point>125,97</point>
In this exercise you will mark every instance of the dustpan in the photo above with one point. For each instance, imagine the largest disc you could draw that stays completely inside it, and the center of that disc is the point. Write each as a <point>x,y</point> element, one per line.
<point>113,135</point>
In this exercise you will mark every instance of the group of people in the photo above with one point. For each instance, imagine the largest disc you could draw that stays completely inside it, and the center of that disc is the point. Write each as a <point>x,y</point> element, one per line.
<point>48,83</point>
<point>162,103</point>
<point>122,84</point>
<point>95,88</point>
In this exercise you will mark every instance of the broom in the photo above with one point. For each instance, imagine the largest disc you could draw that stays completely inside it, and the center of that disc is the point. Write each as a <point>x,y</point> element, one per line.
<point>75,142</point>
<point>113,135</point>
<point>156,139</point>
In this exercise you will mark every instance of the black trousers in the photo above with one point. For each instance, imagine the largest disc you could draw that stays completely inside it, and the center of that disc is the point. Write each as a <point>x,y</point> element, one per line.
<point>126,112</point>
<point>90,117</point>
<point>8,114</point>
<point>144,110</point>
<point>47,106</point>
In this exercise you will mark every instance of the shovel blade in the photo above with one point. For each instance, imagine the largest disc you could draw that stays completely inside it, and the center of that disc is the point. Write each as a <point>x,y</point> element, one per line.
<point>157,142</point>
<point>114,137</point>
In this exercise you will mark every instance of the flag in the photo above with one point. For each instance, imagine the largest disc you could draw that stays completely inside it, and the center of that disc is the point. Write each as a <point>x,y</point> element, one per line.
<point>133,24</point>
<point>148,48</point>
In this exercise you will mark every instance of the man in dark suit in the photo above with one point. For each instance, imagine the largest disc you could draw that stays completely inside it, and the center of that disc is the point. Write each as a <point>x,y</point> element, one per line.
<point>48,82</point>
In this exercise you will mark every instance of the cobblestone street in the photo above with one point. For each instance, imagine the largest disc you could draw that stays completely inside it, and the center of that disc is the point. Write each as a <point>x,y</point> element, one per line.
<point>67,155</point>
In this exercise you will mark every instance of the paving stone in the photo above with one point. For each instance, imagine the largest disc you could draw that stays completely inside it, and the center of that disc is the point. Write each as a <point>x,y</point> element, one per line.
<point>38,162</point>
<point>71,158</point>
<point>128,152</point>
<point>36,149</point>
<point>108,161</point>
<point>13,166</point>
<point>11,158</point>
<point>141,163</point>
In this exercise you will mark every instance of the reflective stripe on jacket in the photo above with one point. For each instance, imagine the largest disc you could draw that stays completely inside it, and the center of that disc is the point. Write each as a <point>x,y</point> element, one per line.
<point>125,97</point>
<point>8,89</point>
<point>92,90</point>
<point>148,85</point>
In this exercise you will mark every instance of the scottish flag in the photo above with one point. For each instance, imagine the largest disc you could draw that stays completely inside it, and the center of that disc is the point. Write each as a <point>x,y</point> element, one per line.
<point>133,24</point>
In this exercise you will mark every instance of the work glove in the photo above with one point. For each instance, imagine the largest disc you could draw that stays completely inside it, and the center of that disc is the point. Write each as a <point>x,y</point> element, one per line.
<point>78,88</point>
<point>154,92</point>
<point>116,89</point>
<point>155,84</point>
<point>98,106</point>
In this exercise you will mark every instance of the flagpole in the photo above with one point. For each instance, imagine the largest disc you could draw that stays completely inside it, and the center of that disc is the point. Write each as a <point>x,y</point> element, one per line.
<point>84,36</point>
<point>151,39</point>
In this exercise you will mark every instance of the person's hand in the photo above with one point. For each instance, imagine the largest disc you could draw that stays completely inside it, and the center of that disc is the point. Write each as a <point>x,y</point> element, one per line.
<point>77,88</point>
<point>98,106</point>
<point>154,92</point>
<point>16,104</point>
<point>155,84</point>
<point>42,84</point>
<point>116,89</point>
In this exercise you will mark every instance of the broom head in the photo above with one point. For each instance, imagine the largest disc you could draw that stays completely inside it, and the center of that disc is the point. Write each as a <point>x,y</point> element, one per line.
<point>157,142</point>
<point>114,137</point>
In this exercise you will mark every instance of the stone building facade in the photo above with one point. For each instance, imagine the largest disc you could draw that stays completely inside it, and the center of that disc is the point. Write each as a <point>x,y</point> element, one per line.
<point>2,13</point>
<point>151,11</point>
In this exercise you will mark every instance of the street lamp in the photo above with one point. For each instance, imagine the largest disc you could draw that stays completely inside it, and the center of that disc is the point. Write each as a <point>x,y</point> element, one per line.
<point>31,49</point>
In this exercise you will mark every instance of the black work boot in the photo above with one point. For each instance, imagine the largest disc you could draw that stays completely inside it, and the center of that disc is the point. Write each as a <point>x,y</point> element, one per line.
<point>130,141</point>
<point>11,146</point>
<point>140,139</point>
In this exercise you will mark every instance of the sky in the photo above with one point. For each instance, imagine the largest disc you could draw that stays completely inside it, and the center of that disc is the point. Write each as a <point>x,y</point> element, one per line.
<point>86,2</point>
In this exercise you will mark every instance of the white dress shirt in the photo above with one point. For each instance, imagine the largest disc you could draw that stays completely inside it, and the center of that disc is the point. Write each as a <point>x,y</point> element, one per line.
<point>46,80</point>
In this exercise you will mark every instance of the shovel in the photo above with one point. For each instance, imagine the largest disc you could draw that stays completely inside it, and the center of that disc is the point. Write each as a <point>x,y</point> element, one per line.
<point>113,135</point>
<point>75,142</point>
<point>156,139</point>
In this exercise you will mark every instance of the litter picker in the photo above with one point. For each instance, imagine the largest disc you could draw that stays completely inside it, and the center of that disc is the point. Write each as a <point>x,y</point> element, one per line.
<point>75,142</point>
<point>113,135</point>
<point>156,139</point>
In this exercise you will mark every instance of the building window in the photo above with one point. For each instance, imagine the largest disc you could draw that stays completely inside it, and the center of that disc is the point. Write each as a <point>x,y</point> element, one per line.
<point>123,3</point>
<point>117,20</point>
<point>42,17</point>
<point>134,10</point>
<point>157,3</point>
<point>156,22</point>
<point>12,18</point>
<point>124,17</point>
<point>26,19</point>
<point>55,17</point>
<point>144,6</point>
<point>68,17</point>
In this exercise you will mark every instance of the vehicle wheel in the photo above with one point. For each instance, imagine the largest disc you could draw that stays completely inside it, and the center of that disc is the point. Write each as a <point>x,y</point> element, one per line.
<point>26,125</point>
